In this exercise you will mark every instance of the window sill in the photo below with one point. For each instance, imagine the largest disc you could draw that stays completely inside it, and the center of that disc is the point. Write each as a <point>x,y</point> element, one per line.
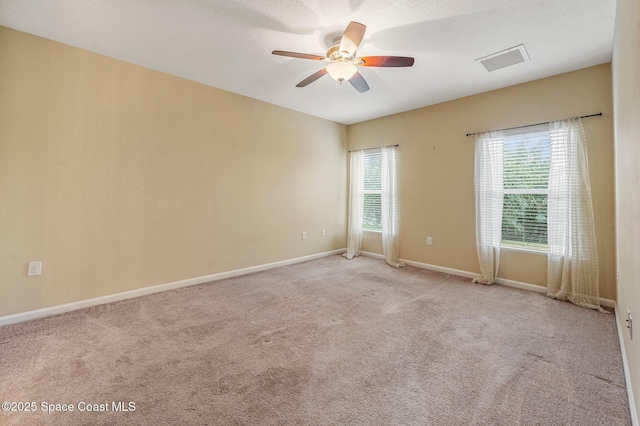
<point>371,231</point>
<point>523,250</point>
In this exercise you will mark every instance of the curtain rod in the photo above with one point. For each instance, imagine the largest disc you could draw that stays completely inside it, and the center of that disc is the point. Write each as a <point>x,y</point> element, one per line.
<point>371,149</point>
<point>537,124</point>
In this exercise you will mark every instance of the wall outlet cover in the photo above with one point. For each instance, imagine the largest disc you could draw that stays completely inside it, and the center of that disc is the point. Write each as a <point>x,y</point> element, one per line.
<point>35,269</point>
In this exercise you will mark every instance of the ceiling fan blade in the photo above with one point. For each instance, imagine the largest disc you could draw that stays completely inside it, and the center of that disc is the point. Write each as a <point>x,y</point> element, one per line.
<point>298,55</point>
<point>359,82</point>
<point>352,38</point>
<point>312,78</point>
<point>386,61</point>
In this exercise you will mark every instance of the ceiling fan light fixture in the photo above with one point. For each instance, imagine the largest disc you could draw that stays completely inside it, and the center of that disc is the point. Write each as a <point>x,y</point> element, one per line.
<point>341,71</point>
<point>343,63</point>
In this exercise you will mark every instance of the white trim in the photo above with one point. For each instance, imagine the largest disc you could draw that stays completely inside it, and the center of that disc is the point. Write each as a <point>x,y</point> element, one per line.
<point>67,307</point>
<point>608,303</point>
<point>625,366</point>
<point>521,285</point>
<point>466,274</point>
<point>374,255</point>
<point>450,271</point>
<point>522,250</point>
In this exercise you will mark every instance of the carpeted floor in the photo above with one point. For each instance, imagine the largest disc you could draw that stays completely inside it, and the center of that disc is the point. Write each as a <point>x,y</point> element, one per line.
<point>325,342</point>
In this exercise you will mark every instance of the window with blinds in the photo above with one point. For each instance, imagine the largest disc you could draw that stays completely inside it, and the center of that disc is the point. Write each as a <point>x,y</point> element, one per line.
<point>372,218</point>
<point>526,159</point>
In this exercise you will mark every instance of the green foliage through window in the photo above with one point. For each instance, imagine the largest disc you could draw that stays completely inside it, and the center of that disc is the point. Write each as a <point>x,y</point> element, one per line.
<point>372,219</point>
<point>526,159</point>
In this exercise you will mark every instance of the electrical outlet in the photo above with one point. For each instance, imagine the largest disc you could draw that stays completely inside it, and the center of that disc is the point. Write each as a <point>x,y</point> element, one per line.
<point>35,269</point>
<point>630,324</point>
<point>304,235</point>
<point>324,233</point>
<point>429,241</point>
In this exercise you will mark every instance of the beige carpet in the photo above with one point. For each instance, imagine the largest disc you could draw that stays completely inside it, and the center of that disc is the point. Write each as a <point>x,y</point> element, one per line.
<point>326,342</point>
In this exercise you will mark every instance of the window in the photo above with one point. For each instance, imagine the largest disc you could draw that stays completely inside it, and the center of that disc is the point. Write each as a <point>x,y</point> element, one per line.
<point>526,159</point>
<point>373,201</point>
<point>372,217</point>
<point>532,191</point>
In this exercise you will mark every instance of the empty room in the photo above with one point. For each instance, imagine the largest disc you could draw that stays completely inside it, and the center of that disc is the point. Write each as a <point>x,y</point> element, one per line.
<point>319,213</point>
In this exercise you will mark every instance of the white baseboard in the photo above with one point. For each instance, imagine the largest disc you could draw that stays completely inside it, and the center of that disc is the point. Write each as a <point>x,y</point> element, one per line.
<point>442,269</point>
<point>67,307</point>
<point>627,374</point>
<point>502,281</point>
<point>543,290</point>
<point>374,255</point>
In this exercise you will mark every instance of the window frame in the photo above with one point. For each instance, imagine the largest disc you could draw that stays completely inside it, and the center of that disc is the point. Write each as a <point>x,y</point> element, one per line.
<point>520,245</point>
<point>370,153</point>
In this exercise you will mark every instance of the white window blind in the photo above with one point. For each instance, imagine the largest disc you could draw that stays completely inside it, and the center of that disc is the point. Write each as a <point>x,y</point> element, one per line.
<point>526,159</point>
<point>372,218</point>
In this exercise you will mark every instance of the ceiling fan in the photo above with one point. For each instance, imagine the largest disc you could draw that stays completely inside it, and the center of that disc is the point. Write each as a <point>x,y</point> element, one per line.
<point>343,63</point>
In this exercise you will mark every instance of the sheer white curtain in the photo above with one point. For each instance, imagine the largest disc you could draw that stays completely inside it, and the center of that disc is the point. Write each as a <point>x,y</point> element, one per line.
<point>572,265</point>
<point>389,204</point>
<point>356,203</point>
<point>489,199</point>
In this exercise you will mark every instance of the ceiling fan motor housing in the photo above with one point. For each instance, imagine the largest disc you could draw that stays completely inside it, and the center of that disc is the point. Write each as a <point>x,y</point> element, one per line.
<point>334,54</point>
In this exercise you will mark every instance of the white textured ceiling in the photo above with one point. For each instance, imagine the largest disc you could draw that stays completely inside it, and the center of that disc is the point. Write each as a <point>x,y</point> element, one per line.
<point>228,43</point>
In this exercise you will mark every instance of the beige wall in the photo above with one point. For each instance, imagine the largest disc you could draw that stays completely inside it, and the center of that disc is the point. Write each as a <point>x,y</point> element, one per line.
<point>119,177</point>
<point>626,95</point>
<point>435,168</point>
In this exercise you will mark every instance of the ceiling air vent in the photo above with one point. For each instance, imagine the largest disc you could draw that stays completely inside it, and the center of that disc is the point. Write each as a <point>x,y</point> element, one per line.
<point>505,58</point>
